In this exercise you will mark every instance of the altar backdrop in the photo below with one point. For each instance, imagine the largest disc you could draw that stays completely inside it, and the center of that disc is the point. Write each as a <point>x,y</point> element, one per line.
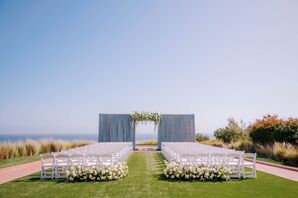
<point>176,128</point>
<point>172,128</point>
<point>115,128</point>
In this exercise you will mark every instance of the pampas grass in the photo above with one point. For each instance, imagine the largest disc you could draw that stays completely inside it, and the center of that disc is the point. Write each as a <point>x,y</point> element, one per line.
<point>215,142</point>
<point>286,153</point>
<point>8,150</point>
<point>291,156</point>
<point>21,149</point>
<point>34,147</point>
<point>243,144</point>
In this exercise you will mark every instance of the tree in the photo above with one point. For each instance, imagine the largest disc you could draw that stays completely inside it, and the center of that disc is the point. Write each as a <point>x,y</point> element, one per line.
<point>232,132</point>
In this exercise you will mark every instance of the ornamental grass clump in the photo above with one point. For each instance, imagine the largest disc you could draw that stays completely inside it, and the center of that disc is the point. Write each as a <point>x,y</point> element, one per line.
<point>97,173</point>
<point>177,171</point>
<point>215,142</point>
<point>286,153</point>
<point>34,147</point>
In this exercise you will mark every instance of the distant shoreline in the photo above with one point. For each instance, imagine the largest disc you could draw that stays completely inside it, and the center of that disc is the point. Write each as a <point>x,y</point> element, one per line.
<point>93,137</point>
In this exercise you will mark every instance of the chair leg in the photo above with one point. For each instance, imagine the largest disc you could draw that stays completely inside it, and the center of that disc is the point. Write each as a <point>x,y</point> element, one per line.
<point>243,171</point>
<point>56,172</point>
<point>41,172</point>
<point>52,173</point>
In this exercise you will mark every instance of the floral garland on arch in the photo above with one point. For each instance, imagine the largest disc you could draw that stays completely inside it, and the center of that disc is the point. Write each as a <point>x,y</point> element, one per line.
<point>143,117</point>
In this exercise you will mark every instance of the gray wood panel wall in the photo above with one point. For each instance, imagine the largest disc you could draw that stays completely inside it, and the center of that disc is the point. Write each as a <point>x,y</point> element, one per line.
<point>172,128</point>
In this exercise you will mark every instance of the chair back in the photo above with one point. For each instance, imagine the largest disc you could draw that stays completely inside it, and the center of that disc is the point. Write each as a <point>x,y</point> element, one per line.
<point>249,156</point>
<point>76,159</point>
<point>217,158</point>
<point>62,159</point>
<point>46,156</point>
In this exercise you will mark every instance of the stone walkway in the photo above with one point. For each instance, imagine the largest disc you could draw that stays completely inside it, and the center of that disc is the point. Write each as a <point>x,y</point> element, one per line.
<point>18,171</point>
<point>288,174</point>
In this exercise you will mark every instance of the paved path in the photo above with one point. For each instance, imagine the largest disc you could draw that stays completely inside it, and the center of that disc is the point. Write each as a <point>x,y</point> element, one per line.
<point>18,171</point>
<point>288,174</point>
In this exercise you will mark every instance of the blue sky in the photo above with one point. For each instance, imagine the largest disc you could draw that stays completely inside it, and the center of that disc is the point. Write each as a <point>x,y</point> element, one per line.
<point>63,62</point>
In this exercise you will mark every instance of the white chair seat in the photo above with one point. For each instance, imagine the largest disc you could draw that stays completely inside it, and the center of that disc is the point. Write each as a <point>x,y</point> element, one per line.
<point>245,163</point>
<point>48,164</point>
<point>62,164</point>
<point>91,163</point>
<point>233,163</point>
<point>106,163</point>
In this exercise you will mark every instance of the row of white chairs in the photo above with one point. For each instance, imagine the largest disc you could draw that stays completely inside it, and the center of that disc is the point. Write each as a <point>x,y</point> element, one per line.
<point>242,164</point>
<point>54,165</point>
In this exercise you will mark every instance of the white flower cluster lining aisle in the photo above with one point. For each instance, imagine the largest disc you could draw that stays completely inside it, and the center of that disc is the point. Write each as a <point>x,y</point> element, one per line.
<point>194,161</point>
<point>99,161</point>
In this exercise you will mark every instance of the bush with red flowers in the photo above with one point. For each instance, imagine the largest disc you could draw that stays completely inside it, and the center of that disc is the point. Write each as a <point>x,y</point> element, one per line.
<point>272,129</point>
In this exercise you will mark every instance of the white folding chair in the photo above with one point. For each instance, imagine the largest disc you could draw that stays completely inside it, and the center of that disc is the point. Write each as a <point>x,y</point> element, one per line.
<point>202,159</point>
<point>187,159</point>
<point>91,159</point>
<point>76,159</point>
<point>47,166</point>
<point>106,159</point>
<point>61,164</point>
<point>217,159</point>
<point>249,165</point>
<point>233,161</point>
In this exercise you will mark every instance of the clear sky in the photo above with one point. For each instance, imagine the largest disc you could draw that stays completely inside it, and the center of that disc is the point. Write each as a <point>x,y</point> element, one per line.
<point>63,62</point>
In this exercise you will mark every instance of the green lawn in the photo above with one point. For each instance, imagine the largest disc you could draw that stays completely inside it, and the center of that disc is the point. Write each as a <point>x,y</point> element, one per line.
<point>145,179</point>
<point>18,160</point>
<point>264,159</point>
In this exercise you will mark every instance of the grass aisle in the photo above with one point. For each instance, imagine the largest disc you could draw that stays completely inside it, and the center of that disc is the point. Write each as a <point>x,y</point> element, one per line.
<point>145,180</point>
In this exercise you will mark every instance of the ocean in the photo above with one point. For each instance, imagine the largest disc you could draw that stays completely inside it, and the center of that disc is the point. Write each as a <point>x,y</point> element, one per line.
<point>23,137</point>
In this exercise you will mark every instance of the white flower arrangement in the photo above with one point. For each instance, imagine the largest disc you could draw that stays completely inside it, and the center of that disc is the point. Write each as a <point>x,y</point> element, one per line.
<point>145,116</point>
<point>97,173</point>
<point>177,171</point>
